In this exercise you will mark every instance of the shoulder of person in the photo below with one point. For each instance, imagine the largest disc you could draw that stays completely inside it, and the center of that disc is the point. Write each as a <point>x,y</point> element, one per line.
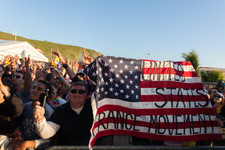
<point>48,108</point>
<point>61,100</point>
<point>63,107</point>
<point>27,105</point>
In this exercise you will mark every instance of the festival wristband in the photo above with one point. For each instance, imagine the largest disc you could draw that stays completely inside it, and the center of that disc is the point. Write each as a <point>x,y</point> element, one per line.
<point>39,120</point>
<point>62,79</point>
<point>65,66</point>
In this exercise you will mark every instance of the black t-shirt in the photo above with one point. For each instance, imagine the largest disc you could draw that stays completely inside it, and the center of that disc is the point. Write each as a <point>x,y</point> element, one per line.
<point>74,128</point>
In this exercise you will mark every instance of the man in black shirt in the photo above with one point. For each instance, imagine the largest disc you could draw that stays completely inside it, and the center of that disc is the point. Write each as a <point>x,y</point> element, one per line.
<point>71,122</point>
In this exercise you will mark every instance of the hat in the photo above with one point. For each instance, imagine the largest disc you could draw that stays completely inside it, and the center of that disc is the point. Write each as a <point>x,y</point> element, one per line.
<point>220,94</point>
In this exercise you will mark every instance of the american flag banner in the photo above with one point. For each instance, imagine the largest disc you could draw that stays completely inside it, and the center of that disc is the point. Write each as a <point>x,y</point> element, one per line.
<point>160,100</point>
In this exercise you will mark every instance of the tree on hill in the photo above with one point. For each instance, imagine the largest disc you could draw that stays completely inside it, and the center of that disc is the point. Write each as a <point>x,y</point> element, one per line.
<point>211,76</point>
<point>193,58</point>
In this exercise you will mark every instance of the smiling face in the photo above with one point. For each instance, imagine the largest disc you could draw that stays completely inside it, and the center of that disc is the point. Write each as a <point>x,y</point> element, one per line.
<point>36,91</point>
<point>217,98</point>
<point>53,93</point>
<point>77,96</point>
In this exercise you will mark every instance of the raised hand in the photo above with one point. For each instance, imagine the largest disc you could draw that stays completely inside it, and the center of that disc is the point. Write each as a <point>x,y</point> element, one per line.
<point>38,112</point>
<point>16,57</point>
<point>3,91</point>
<point>88,59</point>
<point>28,62</point>
<point>62,60</point>
<point>48,65</point>
<point>38,65</point>
<point>16,142</point>
<point>57,73</point>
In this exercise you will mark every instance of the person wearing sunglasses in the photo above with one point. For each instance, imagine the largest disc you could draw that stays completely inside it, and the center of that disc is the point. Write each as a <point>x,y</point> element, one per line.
<point>218,100</point>
<point>214,91</point>
<point>71,121</point>
<point>18,80</point>
<point>219,107</point>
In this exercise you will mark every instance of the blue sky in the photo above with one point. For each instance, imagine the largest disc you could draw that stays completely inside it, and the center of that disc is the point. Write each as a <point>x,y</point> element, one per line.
<point>164,29</point>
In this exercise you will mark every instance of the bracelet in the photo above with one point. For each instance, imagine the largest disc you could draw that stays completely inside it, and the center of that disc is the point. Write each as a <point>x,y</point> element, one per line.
<point>62,79</point>
<point>39,119</point>
<point>65,66</point>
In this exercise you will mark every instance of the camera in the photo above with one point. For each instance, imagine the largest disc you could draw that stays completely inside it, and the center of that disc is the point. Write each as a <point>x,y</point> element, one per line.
<point>43,97</point>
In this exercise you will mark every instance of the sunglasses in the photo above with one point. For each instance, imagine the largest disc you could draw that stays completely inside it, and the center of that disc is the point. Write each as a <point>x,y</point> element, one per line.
<point>80,91</point>
<point>217,96</point>
<point>16,76</point>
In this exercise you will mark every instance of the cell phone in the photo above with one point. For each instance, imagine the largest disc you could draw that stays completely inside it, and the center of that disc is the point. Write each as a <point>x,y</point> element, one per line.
<point>43,98</point>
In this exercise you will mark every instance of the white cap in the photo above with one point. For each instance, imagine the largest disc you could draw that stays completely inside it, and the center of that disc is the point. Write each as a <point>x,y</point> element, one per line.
<point>220,94</point>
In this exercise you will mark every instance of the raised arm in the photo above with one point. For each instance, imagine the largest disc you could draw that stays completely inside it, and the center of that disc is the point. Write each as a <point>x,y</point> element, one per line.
<point>59,75</point>
<point>43,128</point>
<point>65,65</point>
<point>88,59</point>
<point>3,91</point>
<point>28,74</point>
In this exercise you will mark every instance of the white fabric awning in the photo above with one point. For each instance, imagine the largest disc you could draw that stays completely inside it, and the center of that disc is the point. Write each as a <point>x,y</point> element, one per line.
<point>22,49</point>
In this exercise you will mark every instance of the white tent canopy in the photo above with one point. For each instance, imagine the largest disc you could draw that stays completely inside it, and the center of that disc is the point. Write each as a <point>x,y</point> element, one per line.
<point>22,49</point>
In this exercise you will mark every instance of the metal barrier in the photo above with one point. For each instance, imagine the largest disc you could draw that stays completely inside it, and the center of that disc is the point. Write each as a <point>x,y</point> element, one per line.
<point>137,148</point>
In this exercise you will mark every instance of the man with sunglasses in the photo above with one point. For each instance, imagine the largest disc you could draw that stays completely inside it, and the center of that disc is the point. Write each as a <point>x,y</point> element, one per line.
<point>18,80</point>
<point>213,92</point>
<point>71,121</point>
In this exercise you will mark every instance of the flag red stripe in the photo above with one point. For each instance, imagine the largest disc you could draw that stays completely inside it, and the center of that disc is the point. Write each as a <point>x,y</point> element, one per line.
<point>206,137</point>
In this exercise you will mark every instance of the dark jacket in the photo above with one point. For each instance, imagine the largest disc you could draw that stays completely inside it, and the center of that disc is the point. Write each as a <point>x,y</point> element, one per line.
<point>10,115</point>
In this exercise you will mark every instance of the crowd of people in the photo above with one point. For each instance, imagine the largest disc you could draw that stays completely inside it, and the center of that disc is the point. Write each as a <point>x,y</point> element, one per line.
<point>66,118</point>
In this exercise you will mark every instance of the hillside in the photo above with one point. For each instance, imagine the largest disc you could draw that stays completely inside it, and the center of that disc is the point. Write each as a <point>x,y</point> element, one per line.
<point>67,51</point>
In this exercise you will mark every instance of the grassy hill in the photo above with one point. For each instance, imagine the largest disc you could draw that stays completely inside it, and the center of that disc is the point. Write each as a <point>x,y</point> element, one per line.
<point>67,51</point>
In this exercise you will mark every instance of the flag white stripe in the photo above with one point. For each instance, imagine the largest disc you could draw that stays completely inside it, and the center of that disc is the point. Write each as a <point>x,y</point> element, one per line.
<point>168,91</point>
<point>162,118</point>
<point>167,64</point>
<point>151,105</point>
<point>171,77</point>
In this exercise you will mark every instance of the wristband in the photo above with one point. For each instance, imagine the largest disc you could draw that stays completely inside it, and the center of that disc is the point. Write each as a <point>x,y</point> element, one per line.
<point>39,120</point>
<point>65,66</point>
<point>62,79</point>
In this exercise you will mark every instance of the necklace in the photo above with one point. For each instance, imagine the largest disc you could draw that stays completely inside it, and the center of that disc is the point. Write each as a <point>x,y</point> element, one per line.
<point>21,86</point>
<point>55,103</point>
